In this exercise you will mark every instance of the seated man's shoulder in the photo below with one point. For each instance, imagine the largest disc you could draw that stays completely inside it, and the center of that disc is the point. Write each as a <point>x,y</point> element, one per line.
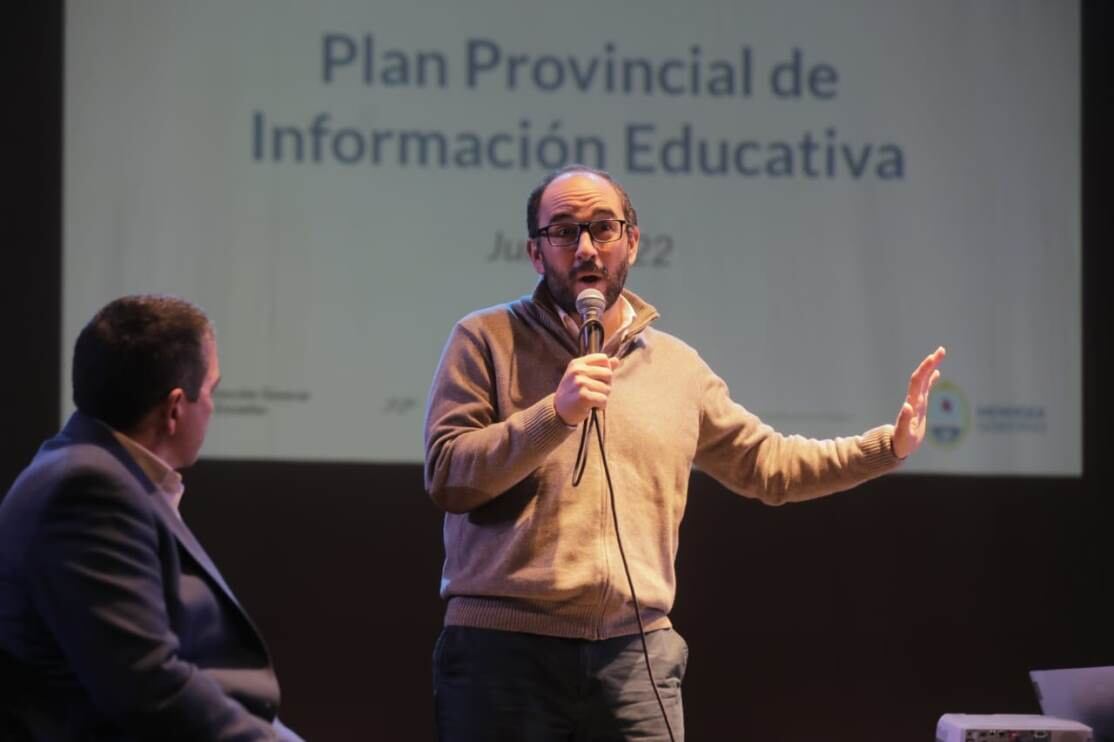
<point>79,473</point>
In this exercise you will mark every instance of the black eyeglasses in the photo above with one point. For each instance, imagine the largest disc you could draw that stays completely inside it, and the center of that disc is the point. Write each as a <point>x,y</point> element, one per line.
<point>567,234</point>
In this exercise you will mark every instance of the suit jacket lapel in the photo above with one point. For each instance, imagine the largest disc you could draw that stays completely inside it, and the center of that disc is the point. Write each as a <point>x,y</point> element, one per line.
<point>81,428</point>
<point>190,543</point>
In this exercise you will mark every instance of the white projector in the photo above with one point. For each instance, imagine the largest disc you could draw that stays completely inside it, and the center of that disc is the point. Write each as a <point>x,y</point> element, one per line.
<point>1010,728</point>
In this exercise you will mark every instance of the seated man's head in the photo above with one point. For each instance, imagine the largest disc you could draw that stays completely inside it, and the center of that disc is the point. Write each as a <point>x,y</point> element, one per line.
<point>147,366</point>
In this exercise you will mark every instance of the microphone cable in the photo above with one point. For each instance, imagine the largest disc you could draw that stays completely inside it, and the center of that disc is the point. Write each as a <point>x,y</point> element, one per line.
<point>582,450</point>
<point>588,343</point>
<point>578,472</point>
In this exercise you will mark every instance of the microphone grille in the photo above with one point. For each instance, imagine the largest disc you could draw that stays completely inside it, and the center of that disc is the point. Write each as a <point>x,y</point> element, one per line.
<point>590,300</point>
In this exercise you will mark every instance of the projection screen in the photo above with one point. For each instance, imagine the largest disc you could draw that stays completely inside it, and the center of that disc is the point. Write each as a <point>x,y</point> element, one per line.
<point>826,192</point>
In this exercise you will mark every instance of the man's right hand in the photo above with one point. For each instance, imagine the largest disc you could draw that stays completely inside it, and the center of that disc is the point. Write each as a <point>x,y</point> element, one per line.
<point>586,384</point>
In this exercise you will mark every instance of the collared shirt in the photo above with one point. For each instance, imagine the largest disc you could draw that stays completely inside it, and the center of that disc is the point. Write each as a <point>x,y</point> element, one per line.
<point>611,344</point>
<point>161,473</point>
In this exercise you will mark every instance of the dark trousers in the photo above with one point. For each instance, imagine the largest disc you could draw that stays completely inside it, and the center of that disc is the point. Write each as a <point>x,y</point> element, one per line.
<point>502,685</point>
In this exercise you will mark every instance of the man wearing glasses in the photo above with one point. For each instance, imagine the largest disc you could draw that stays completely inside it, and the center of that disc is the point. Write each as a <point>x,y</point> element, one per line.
<point>541,638</point>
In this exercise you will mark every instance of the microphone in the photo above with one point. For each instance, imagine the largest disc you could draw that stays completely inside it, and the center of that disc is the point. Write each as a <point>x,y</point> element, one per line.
<point>590,304</point>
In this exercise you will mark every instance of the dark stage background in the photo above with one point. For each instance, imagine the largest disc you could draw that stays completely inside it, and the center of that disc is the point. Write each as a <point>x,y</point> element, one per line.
<point>859,617</point>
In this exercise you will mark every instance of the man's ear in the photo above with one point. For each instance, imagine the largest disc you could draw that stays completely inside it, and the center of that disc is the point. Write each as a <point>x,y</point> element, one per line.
<point>534,252</point>
<point>633,235</point>
<point>171,410</point>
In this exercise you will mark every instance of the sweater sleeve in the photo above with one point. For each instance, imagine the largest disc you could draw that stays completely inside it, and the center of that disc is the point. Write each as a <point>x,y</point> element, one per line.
<point>473,456</point>
<point>751,458</point>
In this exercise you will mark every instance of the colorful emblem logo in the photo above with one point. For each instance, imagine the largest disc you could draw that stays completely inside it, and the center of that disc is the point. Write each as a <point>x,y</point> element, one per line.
<point>949,415</point>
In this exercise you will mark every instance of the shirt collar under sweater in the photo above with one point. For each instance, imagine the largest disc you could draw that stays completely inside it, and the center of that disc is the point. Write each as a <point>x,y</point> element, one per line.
<point>548,313</point>
<point>612,343</point>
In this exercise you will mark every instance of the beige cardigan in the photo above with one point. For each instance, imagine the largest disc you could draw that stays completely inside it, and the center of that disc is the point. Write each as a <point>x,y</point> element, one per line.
<point>524,549</point>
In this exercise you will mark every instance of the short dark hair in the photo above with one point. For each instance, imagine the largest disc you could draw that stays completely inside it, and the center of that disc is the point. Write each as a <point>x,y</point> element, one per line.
<point>533,203</point>
<point>134,352</point>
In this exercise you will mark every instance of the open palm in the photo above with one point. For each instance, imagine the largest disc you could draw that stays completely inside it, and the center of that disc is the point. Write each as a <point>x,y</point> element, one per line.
<point>912,421</point>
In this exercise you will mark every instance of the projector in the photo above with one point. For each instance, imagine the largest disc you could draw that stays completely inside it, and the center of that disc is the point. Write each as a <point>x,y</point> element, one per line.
<point>1010,728</point>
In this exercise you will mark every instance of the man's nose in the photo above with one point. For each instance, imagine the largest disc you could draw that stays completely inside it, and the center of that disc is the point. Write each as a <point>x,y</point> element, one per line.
<point>585,248</point>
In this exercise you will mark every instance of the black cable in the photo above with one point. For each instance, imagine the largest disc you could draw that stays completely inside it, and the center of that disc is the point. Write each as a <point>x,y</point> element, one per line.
<point>594,421</point>
<point>591,337</point>
<point>577,475</point>
<point>582,451</point>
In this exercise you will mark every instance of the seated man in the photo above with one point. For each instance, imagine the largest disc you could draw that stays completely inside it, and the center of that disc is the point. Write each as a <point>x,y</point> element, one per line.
<point>114,622</point>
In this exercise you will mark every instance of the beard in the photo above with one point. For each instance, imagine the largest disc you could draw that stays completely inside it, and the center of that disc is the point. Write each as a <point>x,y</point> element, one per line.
<point>562,287</point>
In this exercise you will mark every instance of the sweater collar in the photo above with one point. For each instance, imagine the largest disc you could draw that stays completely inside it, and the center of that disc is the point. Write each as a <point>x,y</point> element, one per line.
<point>550,315</point>
<point>612,343</point>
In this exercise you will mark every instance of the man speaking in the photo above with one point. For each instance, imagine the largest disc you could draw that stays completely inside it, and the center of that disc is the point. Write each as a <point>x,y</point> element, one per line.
<point>114,622</point>
<point>542,639</point>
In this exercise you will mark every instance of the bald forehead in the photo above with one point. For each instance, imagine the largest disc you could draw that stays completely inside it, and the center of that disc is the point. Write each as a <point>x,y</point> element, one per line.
<point>580,195</point>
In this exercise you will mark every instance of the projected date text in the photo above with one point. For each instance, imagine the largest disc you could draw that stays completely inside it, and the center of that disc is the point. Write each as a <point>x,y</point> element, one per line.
<point>654,250</point>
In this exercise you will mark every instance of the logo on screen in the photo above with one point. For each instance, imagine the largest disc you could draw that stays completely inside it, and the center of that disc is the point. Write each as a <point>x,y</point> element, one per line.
<point>949,416</point>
